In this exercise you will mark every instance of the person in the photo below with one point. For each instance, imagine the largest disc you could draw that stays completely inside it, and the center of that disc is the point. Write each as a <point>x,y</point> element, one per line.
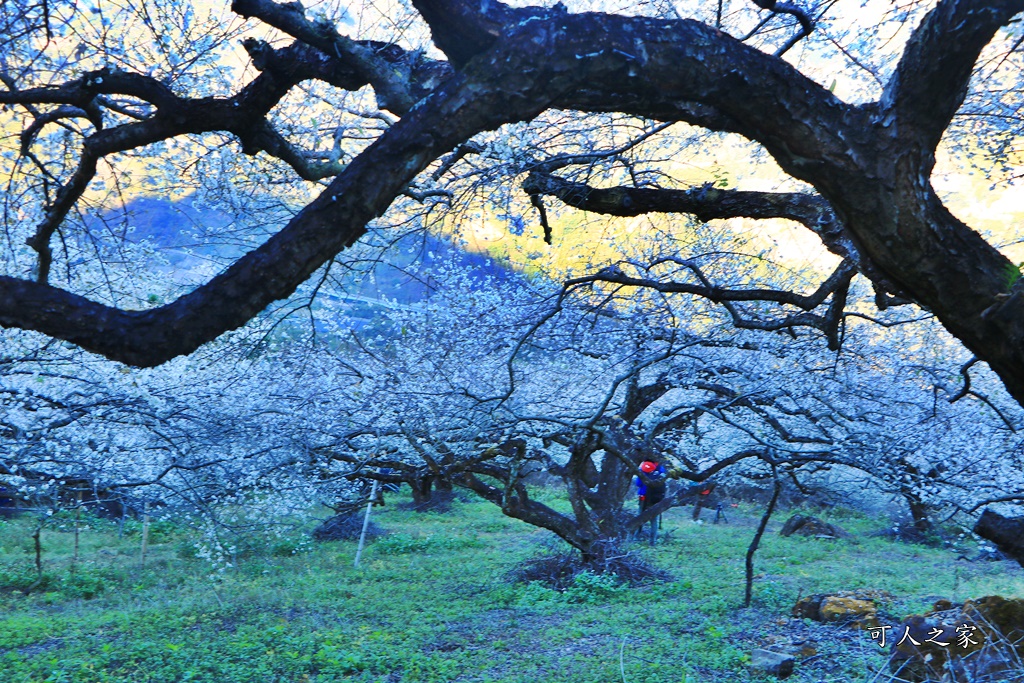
<point>704,500</point>
<point>651,490</point>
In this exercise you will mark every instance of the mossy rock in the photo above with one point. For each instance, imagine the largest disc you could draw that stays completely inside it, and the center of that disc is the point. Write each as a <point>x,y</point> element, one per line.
<point>936,642</point>
<point>1005,615</point>
<point>850,612</point>
<point>857,609</point>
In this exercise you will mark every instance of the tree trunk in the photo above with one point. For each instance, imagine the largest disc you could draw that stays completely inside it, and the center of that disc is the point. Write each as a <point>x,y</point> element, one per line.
<point>756,541</point>
<point>39,552</point>
<point>78,517</point>
<point>608,502</point>
<point>430,490</point>
<point>919,513</point>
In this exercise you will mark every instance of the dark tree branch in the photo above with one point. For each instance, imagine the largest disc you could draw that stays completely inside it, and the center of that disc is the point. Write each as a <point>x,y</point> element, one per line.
<point>241,115</point>
<point>538,204</point>
<point>835,322</point>
<point>28,136</point>
<point>463,29</point>
<point>67,196</point>
<point>965,372</point>
<point>556,162</point>
<point>706,203</point>
<point>455,157</point>
<point>806,25</point>
<point>529,68</point>
<point>932,77</point>
<point>263,137</point>
<point>762,525</point>
<point>399,78</point>
<point>639,398</point>
<point>515,501</point>
<point>836,285</point>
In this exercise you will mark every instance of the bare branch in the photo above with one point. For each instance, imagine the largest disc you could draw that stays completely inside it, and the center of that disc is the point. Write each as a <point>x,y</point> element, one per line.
<point>835,284</point>
<point>806,25</point>
<point>966,374</point>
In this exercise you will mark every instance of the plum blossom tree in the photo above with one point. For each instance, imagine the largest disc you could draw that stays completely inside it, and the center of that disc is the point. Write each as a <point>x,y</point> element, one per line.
<point>492,380</point>
<point>101,86</point>
<point>196,438</point>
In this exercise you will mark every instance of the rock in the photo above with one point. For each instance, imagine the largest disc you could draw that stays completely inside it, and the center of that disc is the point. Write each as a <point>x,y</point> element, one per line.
<point>1006,532</point>
<point>998,616</point>
<point>792,524</point>
<point>773,663</point>
<point>786,645</point>
<point>933,646</point>
<point>925,660</point>
<point>807,608</point>
<point>803,525</point>
<point>856,609</point>
<point>850,612</point>
<point>806,649</point>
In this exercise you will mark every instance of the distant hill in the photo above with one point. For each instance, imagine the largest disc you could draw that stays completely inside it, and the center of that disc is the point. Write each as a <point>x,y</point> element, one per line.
<point>195,239</point>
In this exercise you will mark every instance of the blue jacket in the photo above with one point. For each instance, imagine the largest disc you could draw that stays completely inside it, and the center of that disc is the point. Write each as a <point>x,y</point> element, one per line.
<point>641,487</point>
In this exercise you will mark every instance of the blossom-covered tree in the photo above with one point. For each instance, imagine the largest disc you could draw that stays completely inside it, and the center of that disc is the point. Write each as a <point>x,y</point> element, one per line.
<point>98,87</point>
<point>195,437</point>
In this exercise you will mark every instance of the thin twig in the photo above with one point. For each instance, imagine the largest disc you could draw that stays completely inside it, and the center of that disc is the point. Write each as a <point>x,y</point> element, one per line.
<point>757,536</point>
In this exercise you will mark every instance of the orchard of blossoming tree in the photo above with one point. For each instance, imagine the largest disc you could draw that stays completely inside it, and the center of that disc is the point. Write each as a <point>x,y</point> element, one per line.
<point>239,349</point>
<point>485,292</point>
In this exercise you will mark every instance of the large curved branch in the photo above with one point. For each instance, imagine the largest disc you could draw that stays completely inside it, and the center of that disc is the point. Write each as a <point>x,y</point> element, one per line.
<point>540,64</point>
<point>708,203</point>
<point>463,29</point>
<point>875,181</point>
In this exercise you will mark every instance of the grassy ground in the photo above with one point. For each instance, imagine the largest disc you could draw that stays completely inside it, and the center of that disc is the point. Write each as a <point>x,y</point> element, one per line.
<point>432,602</point>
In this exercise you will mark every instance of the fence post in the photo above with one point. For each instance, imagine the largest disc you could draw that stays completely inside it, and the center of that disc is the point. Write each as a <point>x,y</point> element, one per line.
<point>366,523</point>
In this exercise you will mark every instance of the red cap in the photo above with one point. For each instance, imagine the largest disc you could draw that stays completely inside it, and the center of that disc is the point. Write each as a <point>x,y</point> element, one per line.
<point>647,466</point>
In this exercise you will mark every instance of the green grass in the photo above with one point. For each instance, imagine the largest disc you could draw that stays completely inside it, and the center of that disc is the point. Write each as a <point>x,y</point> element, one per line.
<point>432,602</point>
